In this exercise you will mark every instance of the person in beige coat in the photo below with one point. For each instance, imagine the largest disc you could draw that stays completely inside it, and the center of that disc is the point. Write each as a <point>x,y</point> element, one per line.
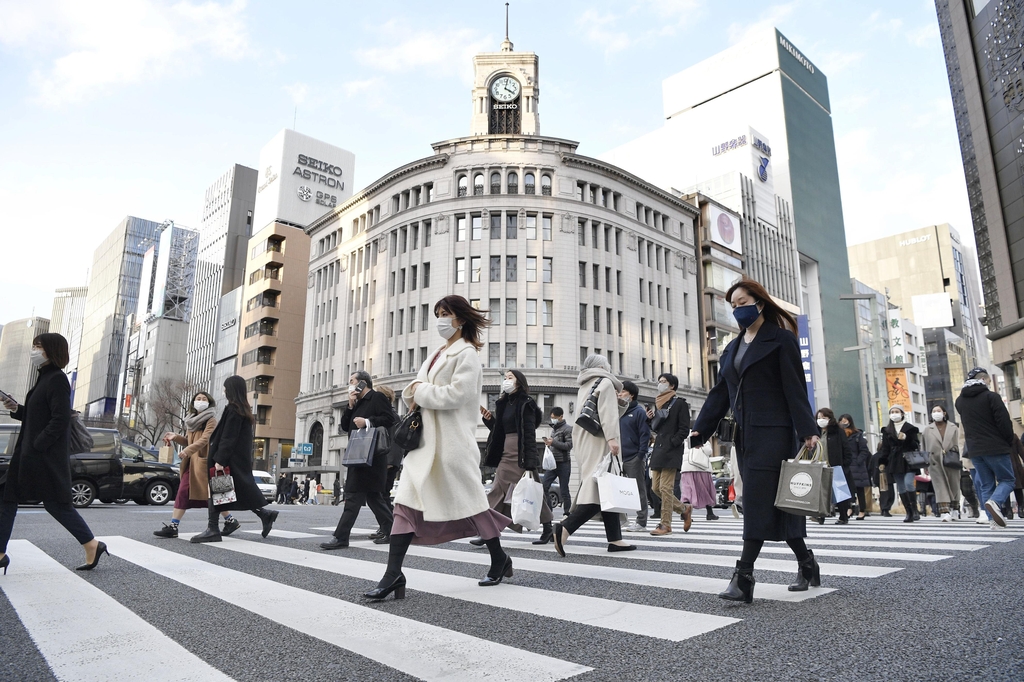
<point>590,451</point>
<point>940,436</point>
<point>194,490</point>
<point>440,496</point>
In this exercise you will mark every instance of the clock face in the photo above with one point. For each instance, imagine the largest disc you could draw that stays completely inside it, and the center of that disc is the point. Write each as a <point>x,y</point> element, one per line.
<point>505,89</point>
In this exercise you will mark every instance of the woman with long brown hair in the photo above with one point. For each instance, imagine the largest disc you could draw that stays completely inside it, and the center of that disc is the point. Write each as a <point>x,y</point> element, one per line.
<point>761,380</point>
<point>439,497</point>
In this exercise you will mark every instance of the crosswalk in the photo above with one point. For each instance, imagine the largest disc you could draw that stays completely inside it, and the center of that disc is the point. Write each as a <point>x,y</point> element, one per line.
<point>435,634</point>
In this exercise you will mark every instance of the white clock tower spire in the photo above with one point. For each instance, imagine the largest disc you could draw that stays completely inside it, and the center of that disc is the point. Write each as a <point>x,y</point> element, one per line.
<point>506,91</point>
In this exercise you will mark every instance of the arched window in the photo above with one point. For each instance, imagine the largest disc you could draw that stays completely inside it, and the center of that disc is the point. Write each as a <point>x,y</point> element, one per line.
<point>513,183</point>
<point>545,185</point>
<point>316,437</point>
<point>529,182</point>
<point>495,183</point>
<point>463,185</point>
<point>478,184</point>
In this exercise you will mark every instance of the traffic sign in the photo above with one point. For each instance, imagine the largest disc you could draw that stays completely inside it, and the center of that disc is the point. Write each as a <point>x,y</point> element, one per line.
<point>303,449</point>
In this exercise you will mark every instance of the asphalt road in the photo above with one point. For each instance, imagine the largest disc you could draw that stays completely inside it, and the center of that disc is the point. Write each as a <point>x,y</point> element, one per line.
<point>280,609</point>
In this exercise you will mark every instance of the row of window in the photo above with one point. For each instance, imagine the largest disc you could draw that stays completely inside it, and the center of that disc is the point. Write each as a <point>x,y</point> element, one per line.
<point>410,198</point>
<point>265,327</point>
<point>264,355</point>
<point>474,226</point>
<point>511,183</point>
<point>397,280</point>
<point>270,271</point>
<point>405,238</point>
<point>511,269</point>
<point>327,243</point>
<point>265,299</point>
<point>273,243</point>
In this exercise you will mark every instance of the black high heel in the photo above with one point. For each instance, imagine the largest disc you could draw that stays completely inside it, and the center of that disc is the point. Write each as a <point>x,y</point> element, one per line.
<point>382,591</point>
<point>5,562</point>
<point>558,540</point>
<point>101,548</point>
<point>506,572</point>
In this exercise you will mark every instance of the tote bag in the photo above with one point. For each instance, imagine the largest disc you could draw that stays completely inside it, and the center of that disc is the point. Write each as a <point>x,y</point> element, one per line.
<point>362,444</point>
<point>618,494</point>
<point>527,499</point>
<point>805,485</point>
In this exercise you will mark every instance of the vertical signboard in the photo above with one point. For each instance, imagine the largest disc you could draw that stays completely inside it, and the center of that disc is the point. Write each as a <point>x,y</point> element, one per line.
<point>896,388</point>
<point>897,352</point>
<point>803,333</point>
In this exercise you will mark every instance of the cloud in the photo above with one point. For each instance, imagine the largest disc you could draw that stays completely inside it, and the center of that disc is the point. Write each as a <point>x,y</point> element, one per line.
<point>86,49</point>
<point>438,52</point>
<point>770,18</point>
<point>297,91</point>
<point>613,33</point>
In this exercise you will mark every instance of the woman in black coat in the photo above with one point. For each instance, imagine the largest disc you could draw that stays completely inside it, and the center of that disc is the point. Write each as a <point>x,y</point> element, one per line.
<point>670,424</point>
<point>512,447</point>
<point>231,448</point>
<point>840,454</point>
<point>860,465</point>
<point>40,469</point>
<point>900,436</point>
<point>762,380</point>
<point>367,485</point>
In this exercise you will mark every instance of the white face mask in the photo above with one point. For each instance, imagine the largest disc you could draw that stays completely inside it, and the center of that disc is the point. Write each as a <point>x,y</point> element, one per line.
<point>938,416</point>
<point>36,356</point>
<point>555,422</point>
<point>200,405</point>
<point>896,417</point>
<point>822,423</point>
<point>508,385</point>
<point>445,328</point>
<point>664,387</point>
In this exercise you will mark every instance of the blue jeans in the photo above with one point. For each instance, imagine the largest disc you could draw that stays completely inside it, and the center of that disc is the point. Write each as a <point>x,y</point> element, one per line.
<point>995,473</point>
<point>561,472</point>
<point>905,483</point>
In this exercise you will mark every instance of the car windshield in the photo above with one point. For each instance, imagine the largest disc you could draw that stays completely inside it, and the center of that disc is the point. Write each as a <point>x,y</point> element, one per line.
<point>7,439</point>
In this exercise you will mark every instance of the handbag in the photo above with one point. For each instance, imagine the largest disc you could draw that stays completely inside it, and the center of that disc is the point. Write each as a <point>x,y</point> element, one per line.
<point>362,445</point>
<point>549,459</point>
<point>383,440</point>
<point>951,458</point>
<point>661,415</point>
<point>805,484</point>
<point>618,494</point>
<point>916,459</point>
<point>589,419</point>
<point>696,459</point>
<point>409,433</point>
<point>527,500</point>
<point>222,487</point>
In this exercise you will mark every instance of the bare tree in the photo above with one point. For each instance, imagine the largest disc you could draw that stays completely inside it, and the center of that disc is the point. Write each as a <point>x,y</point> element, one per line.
<point>160,409</point>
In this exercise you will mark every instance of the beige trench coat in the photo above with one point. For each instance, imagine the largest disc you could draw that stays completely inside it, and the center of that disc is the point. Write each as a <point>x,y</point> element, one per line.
<point>193,460</point>
<point>589,449</point>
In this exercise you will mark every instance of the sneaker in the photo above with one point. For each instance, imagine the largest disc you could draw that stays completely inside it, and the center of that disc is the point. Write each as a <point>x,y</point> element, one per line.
<point>661,530</point>
<point>994,525</point>
<point>635,528</point>
<point>981,519</point>
<point>170,530</point>
<point>947,517</point>
<point>230,527</point>
<point>997,514</point>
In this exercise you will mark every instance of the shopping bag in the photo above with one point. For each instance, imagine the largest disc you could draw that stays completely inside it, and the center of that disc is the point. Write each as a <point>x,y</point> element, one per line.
<point>840,488</point>
<point>527,499</point>
<point>222,487</point>
<point>362,443</point>
<point>549,459</point>
<point>805,484</point>
<point>166,455</point>
<point>618,494</point>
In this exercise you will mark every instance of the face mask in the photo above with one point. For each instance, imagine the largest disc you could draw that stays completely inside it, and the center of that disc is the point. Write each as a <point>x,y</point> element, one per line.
<point>555,422</point>
<point>845,425</point>
<point>664,387</point>
<point>36,356</point>
<point>200,405</point>
<point>822,423</point>
<point>445,328</point>
<point>938,416</point>
<point>508,385</point>
<point>746,315</point>
<point>897,417</point>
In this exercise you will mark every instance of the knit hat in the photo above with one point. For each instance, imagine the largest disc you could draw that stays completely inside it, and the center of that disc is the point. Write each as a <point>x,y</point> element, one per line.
<point>973,374</point>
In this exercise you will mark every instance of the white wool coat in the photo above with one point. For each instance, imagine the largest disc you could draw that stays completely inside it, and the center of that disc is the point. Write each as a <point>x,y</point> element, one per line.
<point>441,478</point>
<point>589,449</point>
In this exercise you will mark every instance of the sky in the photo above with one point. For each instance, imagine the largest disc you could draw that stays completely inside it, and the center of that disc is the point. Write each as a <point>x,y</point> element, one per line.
<point>116,107</point>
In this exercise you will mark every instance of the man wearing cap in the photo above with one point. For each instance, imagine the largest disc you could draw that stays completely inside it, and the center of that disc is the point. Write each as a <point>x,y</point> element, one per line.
<point>989,435</point>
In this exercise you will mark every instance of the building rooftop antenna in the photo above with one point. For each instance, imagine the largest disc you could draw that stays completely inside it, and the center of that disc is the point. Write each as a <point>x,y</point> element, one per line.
<point>506,45</point>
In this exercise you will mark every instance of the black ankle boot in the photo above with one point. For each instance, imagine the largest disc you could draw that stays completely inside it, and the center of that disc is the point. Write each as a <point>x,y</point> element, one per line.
<point>908,505</point>
<point>545,535</point>
<point>741,587</point>
<point>211,534</point>
<point>807,575</point>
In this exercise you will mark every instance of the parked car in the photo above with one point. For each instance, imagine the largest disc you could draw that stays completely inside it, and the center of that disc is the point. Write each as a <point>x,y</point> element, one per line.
<point>265,482</point>
<point>111,471</point>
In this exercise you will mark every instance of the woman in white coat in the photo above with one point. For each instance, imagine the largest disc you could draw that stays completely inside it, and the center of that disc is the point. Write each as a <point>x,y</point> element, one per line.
<point>440,497</point>
<point>940,436</point>
<point>589,450</point>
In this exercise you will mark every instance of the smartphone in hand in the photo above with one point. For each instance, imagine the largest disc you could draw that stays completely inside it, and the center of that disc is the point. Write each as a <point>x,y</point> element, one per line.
<point>695,442</point>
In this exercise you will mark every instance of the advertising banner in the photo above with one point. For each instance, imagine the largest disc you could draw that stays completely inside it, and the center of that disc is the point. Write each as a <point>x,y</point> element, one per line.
<point>803,333</point>
<point>896,388</point>
<point>724,228</point>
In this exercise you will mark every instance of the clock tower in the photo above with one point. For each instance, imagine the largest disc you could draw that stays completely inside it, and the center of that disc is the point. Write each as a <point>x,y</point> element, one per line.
<point>505,92</point>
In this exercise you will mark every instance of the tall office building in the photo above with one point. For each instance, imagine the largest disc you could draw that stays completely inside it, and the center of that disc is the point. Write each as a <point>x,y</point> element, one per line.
<point>112,298</point>
<point>762,90</point>
<point>223,235</point>
<point>66,320</point>
<point>980,40</point>
<point>17,375</point>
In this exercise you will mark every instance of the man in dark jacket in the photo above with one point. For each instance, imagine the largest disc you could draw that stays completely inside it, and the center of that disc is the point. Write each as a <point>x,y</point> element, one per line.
<point>365,484</point>
<point>634,439</point>
<point>560,443</point>
<point>988,431</point>
<point>293,491</point>
<point>282,490</point>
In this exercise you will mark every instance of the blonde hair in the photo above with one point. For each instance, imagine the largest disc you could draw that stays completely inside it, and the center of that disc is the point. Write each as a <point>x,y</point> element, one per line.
<point>388,392</point>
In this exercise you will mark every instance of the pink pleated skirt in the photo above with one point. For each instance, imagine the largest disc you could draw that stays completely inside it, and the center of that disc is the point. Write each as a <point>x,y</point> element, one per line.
<point>487,525</point>
<point>697,488</point>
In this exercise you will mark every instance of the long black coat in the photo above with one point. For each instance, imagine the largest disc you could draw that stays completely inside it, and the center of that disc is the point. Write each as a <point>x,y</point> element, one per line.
<point>860,465</point>
<point>527,418</point>
<point>840,452</point>
<point>40,469</point>
<point>772,413</point>
<point>891,449</point>
<point>231,446</point>
<point>375,407</point>
<point>670,442</point>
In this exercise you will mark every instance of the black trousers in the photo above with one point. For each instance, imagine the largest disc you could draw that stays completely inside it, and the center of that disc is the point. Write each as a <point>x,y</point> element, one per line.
<point>886,498</point>
<point>377,502</point>
<point>65,514</point>
<point>584,512</point>
<point>390,484</point>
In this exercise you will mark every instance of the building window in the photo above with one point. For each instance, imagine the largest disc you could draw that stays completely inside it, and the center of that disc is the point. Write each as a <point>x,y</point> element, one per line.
<point>531,268</point>
<point>546,228</point>
<point>531,226</point>
<point>547,313</point>
<point>608,280</point>
<point>511,226</point>
<point>597,318</point>
<point>478,184</point>
<point>584,352</point>
<point>460,270</point>
<point>424,316</point>
<point>511,271</point>
<point>531,356</point>
<point>548,268</point>
<point>583,316</point>
<point>494,355</point>
<point>597,276</point>
<point>583,274</point>
<point>463,185</point>
<point>496,226</point>
<point>511,355</point>
<point>426,233</point>
<point>413,271</point>
<point>495,269</point>
<point>511,311</point>
<point>478,225</point>
<point>545,185</point>
<point>643,326</point>
<point>474,269</point>
<point>460,228</point>
<point>531,312</point>
<point>495,311</point>
<point>547,359</point>
<point>495,183</point>
<point>426,275</point>
<point>513,182</point>
<point>618,282</point>
<point>608,320</point>
<point>530,183</point>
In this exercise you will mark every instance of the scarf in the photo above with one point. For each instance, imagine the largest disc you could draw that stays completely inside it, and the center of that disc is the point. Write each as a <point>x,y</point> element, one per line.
<point>196,422</point>
<point>594,373</point>
<point>974,382</point>
<point>663,399</point>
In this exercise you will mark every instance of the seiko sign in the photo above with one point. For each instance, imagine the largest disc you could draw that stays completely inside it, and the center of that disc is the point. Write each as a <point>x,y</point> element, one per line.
<point>320,172</point>
<point>228,324</point>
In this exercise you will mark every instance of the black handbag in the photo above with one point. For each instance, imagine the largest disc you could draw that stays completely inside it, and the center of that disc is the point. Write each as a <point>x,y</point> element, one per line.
<point>409,433</point>
<point>589,419</point>
<point>661,415</point>
<point>916,459</point>
<point>383,441</point>
<point>951,458</point>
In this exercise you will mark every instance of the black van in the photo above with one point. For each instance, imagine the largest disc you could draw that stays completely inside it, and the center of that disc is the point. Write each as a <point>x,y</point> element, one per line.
<point>109,472</point>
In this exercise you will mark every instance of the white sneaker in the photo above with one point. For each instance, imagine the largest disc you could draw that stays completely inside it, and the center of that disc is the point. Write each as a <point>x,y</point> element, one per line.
<point>635,528</point>
<point>981,519</point>
<point>993,525</point>
<point>947,517</point>
<point>997,515</point>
